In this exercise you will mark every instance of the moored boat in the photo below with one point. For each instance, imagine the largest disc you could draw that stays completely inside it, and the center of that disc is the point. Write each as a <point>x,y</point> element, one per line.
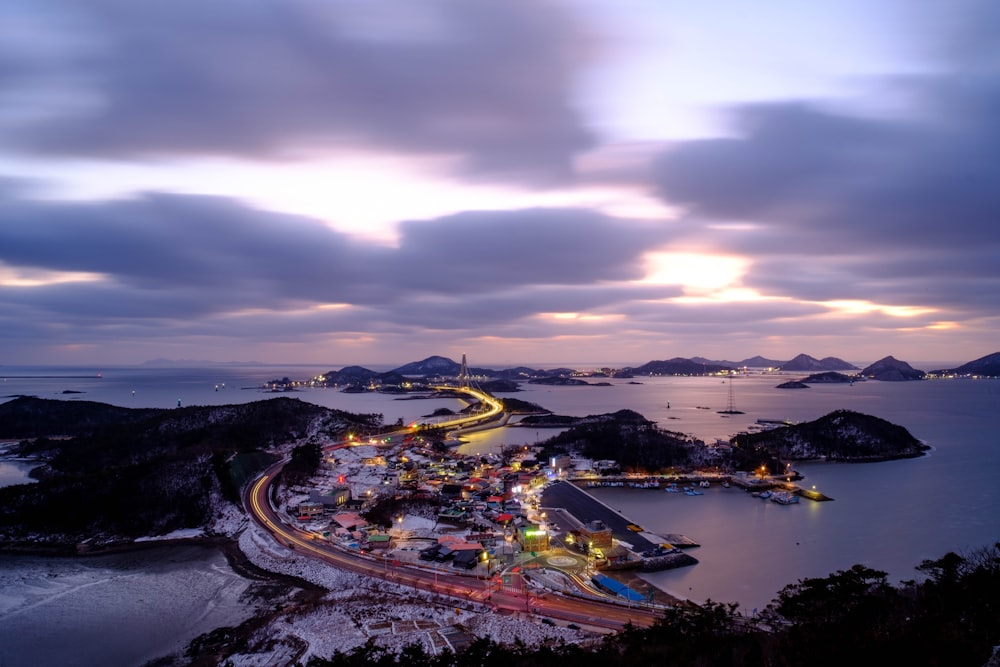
<point>784,498</point>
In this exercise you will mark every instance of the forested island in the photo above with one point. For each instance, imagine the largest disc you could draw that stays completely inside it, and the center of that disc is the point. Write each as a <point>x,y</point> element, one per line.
<point>842,435</point>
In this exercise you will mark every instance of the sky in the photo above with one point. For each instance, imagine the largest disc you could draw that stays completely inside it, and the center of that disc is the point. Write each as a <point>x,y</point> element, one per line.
<point>525,182</point>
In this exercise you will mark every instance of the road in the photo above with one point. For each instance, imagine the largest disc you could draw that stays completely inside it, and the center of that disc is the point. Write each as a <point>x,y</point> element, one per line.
<point>257,501</point>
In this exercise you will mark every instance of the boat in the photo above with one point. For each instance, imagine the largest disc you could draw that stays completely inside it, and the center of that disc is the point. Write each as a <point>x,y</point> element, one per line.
<point>784,498</point>
<point>761,494</point>
<point>693,492</point>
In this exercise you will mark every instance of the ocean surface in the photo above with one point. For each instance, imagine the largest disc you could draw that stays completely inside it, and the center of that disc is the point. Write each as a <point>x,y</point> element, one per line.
<point>889,515</point>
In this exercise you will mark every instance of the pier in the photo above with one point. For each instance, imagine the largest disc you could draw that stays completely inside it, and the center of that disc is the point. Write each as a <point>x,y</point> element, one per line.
<point>570,500</point>
<point>745,482</point>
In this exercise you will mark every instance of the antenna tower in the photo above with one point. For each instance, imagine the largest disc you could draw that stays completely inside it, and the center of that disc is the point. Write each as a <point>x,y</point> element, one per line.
<point>731,408</point>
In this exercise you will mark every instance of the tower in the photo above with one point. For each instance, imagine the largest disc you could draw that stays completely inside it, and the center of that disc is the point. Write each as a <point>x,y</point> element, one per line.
<point>463,374</point>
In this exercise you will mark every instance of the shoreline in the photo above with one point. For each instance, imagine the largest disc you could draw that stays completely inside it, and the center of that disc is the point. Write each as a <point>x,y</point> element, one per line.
<point>226,545</point>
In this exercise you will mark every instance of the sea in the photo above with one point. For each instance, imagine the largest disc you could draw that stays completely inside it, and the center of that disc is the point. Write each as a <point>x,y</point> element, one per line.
<point>890,515</point>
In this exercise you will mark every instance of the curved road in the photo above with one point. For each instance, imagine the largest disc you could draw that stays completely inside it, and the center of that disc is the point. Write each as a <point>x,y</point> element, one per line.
<point>257,501</point>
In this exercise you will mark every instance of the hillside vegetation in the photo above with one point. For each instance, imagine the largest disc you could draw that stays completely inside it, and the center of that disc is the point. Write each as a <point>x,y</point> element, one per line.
<point>842,435</point>
<point>131,473</point>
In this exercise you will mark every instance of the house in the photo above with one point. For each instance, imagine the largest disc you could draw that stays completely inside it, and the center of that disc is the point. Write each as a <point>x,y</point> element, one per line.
<point>379,542</point>
<point>467,558</point>
<point>349,521</point>
<point>310,509</point>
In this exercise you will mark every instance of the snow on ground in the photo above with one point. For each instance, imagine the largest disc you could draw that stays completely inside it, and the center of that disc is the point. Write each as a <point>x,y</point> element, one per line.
<point>175,535</point>
<point>358,609</point>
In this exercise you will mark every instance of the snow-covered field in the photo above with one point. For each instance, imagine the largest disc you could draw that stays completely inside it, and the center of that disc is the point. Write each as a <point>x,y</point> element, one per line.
<point>358,609</point>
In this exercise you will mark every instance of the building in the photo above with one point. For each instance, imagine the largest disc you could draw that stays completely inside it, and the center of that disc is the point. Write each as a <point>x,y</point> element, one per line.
<point>532,537</point>
<point>560,462</point>
<point>597,535</point>
<point>332,501</point>
<point>310,509</point>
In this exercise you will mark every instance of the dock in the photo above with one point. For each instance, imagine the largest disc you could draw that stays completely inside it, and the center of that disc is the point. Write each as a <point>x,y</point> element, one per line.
<point>568,499</point>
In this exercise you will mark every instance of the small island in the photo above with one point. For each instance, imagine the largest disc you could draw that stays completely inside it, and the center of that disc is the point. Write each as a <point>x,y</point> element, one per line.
<point>842,435</point>
<point>890,369</point>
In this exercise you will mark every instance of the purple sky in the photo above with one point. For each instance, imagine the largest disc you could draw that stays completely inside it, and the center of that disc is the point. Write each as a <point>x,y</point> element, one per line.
<point>523,181</point>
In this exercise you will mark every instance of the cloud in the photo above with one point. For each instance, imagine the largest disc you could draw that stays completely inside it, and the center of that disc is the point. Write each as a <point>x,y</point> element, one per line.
<point>488,83</point>
<point>492,249</point>
<point>165,261</point>
<point>847,205</point>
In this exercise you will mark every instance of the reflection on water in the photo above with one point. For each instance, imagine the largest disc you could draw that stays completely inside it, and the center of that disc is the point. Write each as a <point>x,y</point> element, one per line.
<point>13,471</point>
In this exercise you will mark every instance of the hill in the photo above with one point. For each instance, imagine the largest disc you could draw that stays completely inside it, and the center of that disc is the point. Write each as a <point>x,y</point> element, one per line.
<point>629,439</point>
<point>758,362</point>
<point>890,369</point>
<point>149,472</point>
<point>988,366</point>
<point>679,366</point>
<point>30,417</point>
<point>804,362</point>
<point>842,435</point>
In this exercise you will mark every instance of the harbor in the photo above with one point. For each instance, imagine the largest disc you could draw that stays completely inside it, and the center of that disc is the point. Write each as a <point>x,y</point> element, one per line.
<point>585,513</point>
<point>692,483</point>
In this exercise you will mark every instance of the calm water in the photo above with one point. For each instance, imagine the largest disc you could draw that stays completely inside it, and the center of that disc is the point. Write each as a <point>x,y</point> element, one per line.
<point>120,609</point>
<point>13,471</point>
<point>165,387</point>
<point>886,515</point>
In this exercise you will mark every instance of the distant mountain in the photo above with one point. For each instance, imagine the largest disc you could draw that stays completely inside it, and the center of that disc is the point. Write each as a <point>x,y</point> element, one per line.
<point>988,366</point>
<point>758,362</point>
<point>519,373</point>
<point>434,365</point>
<point>804,362</point>
<point>711,362</point>
<point>891,369</point>
<point>350,375</point>
<point>679,366</point>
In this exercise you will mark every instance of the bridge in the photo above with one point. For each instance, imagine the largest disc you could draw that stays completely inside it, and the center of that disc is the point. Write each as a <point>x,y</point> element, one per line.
<point>494,407</point>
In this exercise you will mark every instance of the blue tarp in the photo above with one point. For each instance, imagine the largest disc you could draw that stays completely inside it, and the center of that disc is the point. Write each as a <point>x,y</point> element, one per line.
<point>616,588</point>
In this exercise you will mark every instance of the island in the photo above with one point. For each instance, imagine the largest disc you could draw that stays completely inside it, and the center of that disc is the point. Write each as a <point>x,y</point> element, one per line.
<point>890,369</point>
<point>842,435</point>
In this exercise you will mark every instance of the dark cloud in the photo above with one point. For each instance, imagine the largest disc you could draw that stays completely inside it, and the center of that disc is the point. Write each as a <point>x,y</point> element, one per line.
<point>200,260</point>
<point>491,249</point>
<point>487,82</point>
<point>899,210</point>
